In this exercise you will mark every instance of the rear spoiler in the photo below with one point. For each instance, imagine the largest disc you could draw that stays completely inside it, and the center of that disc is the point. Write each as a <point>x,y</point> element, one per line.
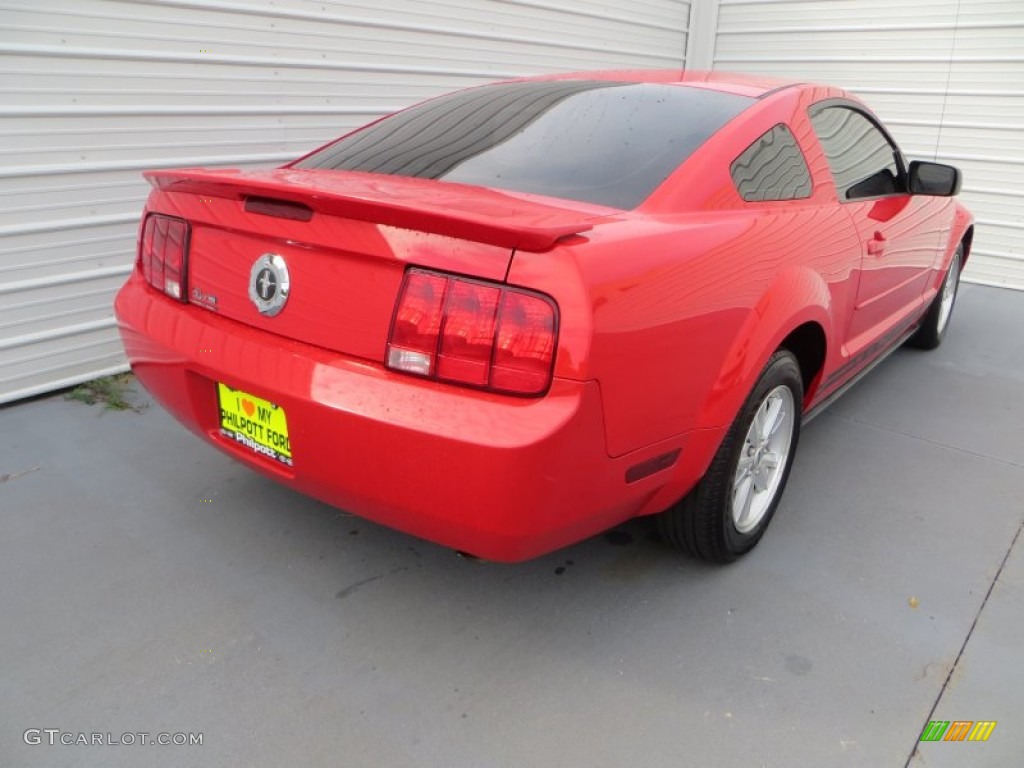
<point>456,210</point>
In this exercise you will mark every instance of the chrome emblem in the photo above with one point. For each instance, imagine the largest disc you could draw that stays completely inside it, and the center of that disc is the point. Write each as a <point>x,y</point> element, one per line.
<point>269,284</point>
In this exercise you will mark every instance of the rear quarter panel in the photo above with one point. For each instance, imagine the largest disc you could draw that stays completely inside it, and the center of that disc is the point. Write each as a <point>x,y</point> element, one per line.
<point>680,303</point>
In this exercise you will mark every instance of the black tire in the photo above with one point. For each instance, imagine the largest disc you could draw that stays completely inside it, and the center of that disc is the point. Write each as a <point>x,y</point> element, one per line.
<point>933,326</point>
<point>703,523</point>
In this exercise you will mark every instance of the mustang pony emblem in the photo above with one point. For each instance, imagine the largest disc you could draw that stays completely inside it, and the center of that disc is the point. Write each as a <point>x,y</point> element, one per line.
<point>269,284</point>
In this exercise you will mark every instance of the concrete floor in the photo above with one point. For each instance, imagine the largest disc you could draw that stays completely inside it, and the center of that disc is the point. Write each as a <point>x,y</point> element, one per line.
<point>148,583</point>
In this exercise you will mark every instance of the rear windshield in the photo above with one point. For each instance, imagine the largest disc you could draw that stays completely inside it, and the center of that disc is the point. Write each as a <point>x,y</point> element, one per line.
<point>595,141</point>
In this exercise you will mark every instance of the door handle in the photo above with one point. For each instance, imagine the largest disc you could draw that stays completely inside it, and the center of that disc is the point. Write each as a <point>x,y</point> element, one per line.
<point>876,245</point>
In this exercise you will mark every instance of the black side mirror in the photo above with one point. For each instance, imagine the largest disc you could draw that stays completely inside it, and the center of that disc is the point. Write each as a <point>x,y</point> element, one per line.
<point>934,179</point>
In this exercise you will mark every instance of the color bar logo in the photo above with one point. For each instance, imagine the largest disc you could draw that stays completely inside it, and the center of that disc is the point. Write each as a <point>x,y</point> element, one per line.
<point>958,730</point>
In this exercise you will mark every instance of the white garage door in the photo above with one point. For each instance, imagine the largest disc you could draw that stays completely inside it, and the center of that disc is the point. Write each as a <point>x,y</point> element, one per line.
<point>92,92</point>
<point>946,75</point>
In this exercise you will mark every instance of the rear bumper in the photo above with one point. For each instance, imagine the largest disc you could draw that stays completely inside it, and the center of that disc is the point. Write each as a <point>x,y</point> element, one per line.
<point>502,478</point>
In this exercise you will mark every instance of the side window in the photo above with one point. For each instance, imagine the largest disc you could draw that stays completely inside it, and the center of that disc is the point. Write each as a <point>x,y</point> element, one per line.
<point>862,159</point>
<point>772,168</point>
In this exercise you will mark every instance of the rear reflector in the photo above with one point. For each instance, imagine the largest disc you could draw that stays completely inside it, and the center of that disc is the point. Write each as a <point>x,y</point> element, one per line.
<point>162,254</point>
<point>472,332</point>
<point>649,467</point>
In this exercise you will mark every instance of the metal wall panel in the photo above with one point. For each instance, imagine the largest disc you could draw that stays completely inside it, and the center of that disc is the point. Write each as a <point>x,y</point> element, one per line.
<point>94,91</point>
<point>946,75</point>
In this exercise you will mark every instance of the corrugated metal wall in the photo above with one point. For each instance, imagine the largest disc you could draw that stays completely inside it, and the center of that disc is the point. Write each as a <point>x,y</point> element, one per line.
<point>946,75</point>
<point>94,91</point>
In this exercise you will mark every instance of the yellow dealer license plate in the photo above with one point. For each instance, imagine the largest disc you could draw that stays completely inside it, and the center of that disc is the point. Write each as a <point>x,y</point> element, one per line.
<point>256,423</point>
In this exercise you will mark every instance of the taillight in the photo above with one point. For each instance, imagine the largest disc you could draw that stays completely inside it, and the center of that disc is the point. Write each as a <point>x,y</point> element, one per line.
<point>162,254</point>
<point>474,333</point>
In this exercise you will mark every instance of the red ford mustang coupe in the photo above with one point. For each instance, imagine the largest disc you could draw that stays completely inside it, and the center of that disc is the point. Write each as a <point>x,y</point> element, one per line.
<point>511,317</point>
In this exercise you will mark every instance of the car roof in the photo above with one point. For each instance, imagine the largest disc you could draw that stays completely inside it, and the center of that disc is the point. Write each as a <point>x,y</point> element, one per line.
<point>755,86</point>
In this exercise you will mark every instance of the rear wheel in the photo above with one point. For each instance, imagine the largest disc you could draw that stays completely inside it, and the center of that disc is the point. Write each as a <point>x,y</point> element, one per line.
<point>726,514</point>
<point>936,319</point>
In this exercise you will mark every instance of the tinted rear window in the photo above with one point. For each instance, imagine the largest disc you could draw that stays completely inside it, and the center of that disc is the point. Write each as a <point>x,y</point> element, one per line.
<point>598,142</point>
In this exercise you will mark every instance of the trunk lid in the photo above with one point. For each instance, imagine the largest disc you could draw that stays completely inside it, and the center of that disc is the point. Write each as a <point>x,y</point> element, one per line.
<point>345,240</point>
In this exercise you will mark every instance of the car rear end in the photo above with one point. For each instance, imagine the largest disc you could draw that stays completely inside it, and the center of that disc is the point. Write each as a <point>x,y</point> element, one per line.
<point>347,324</point>
<point>402,379</point>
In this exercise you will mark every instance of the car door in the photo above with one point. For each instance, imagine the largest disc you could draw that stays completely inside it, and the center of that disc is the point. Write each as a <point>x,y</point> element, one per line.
<point>899,233</point>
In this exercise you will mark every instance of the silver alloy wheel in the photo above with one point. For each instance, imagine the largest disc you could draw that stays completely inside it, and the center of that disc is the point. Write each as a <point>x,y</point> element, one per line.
<point>949,292</point>
<point>763,458</point>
